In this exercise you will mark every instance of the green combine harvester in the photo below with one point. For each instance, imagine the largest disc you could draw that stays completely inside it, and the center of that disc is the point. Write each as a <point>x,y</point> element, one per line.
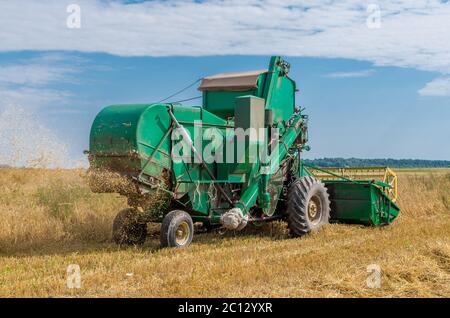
<point>233,161</point>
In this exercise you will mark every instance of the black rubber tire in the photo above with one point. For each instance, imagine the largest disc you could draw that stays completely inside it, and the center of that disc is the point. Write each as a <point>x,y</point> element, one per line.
<point>127,230</point>
<point>300,193</point>
<point>170,225</point>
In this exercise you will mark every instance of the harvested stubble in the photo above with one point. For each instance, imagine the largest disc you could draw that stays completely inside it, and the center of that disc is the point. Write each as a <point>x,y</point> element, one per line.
<point>50,219</point>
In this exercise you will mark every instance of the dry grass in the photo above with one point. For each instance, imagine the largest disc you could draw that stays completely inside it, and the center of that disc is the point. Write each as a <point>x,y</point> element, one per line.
<point>41,207</point>
<point>49,219</point>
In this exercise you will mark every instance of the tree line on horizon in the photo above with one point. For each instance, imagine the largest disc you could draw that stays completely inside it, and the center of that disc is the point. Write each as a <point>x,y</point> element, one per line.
<point>394,163</point>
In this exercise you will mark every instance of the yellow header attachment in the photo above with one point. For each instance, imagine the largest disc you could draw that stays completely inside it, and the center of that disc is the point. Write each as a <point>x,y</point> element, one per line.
<point>382,174</point>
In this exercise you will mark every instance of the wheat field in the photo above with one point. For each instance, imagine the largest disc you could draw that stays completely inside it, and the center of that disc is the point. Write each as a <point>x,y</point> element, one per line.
<point>50,219</point>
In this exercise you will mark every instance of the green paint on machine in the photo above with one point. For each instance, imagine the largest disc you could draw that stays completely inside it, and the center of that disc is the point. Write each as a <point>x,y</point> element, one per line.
<point>134,142</point>
<point>360,202</point>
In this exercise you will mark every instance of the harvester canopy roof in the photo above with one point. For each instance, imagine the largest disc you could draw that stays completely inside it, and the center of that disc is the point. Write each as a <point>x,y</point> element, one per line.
<point>231,82</point>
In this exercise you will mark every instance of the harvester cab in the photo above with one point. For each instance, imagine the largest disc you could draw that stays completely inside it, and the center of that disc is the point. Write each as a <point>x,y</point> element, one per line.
<point>234,160</point>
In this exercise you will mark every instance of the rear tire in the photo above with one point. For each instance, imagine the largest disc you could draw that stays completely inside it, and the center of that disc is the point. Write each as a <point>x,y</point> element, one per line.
<point>127,230</point>
<point>308,206</point>
<point>177,229</point>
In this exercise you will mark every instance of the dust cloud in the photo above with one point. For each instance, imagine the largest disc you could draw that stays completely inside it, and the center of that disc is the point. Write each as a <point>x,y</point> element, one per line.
<point>26,142</point>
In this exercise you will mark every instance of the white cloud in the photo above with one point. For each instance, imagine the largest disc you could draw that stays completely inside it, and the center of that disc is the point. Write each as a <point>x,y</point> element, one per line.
<point>26,82</point>
<point>363,73</point>
<point>437,87</point>
<point>38,71</point>
<point>412,33</point>
<point>30,97</point>
<point>31,74</point>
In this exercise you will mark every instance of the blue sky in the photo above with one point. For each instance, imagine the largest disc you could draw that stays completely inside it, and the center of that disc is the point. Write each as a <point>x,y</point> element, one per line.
<point>369,95</point>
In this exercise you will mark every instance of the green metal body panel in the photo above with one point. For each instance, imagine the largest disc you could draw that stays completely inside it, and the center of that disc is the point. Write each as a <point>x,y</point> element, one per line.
<point>357,201</point>
<point>360,202</point>
<point>278,91</point>
<point>223,103</point>
<point>249,117</point>
<point>123,137</point>
<point>130,132</point>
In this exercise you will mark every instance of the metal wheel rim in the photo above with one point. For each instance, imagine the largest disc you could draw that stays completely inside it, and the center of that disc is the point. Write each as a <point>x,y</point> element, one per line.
<point>314,209</point>
<point>182,233</point>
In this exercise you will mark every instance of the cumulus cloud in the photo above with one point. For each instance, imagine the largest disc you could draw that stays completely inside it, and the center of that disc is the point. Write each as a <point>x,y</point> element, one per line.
<point>437,87</point>
<point>411,33</point>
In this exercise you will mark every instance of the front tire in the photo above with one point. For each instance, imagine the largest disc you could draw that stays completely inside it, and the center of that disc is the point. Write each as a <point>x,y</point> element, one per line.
<point>308,206</point>
<point>127,230</point>
<point>177,229</point>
